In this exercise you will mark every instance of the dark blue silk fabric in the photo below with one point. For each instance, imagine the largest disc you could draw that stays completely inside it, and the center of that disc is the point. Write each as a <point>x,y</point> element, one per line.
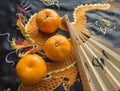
<point>8,18</point>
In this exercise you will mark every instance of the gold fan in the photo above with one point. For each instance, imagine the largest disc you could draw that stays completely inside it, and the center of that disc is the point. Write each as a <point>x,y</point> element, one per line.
<point>98,61</point>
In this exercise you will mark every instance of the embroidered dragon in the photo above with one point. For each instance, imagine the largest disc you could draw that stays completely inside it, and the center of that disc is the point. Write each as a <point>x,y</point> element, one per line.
<point>34,39</point>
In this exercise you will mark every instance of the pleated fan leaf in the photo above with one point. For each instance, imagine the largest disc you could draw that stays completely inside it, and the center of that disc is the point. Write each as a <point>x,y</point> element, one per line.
<point>98,61</point>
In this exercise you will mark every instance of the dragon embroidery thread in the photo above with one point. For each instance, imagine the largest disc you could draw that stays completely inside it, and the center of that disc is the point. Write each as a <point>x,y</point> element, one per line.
<point>105,25</point>
<point>9,41</point>
<point>34,42</point>
<point>51,3</point>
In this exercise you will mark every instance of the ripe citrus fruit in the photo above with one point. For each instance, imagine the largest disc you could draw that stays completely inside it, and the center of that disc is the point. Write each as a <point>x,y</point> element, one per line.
<point>31,69</point>
<point>48,20</point>
<point>57,47</point>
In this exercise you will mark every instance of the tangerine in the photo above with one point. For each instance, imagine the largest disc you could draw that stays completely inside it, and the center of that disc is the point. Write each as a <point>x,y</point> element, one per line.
<point>57,47</point>
<point>48,20</point>
<point>31,69</point>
